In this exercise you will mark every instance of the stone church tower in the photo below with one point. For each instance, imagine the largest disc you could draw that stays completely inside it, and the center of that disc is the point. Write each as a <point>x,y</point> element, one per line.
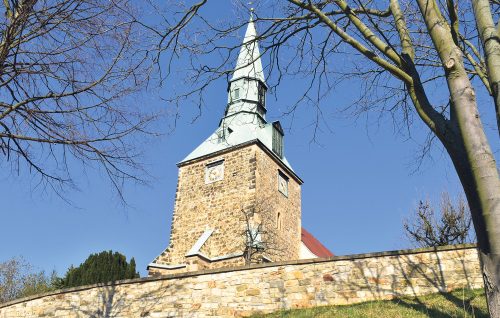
<point>236,194</point>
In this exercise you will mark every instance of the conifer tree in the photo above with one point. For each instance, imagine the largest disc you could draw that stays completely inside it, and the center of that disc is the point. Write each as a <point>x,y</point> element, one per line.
<point>131,273</point>
<point>101,267</point>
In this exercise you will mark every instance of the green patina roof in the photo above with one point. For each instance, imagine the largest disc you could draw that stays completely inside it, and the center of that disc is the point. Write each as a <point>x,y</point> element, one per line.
<point>243,122</point>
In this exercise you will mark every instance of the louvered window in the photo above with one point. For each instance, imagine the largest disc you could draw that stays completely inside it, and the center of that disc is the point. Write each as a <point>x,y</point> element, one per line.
<point>277,142</point>
<point>262,95</point>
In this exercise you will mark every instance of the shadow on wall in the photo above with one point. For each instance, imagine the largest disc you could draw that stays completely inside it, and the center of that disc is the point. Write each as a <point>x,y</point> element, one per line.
<point>272,287</point>
<point>411,275</point>
<point>107,305</point>
<point>110,302</point>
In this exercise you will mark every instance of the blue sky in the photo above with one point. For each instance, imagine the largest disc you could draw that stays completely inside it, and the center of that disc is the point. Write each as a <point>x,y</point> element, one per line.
<point>359,185</point>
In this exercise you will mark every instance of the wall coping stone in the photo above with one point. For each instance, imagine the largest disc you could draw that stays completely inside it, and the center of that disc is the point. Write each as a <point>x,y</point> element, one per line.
<point>244,268</point>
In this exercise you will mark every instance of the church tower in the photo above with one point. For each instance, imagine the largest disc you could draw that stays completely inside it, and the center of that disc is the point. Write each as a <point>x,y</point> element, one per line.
<point>238,199</point>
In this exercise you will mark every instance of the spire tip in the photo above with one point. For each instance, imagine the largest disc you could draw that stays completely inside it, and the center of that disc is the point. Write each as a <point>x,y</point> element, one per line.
<point>251,10</point>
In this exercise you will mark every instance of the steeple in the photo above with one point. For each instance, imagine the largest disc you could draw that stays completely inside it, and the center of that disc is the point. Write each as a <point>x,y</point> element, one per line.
<point>247,87</point>
<point>249,64</point>
<point>244,119</point>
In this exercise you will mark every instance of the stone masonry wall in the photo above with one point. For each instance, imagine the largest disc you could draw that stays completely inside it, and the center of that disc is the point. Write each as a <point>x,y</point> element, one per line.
<point>250,183</point>
<point>282,236</point>
<point>242,291</point>
<point>217,205</point>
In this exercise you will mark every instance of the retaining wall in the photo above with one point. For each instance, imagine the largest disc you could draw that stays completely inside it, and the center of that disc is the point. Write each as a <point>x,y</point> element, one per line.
<point>241,291</point>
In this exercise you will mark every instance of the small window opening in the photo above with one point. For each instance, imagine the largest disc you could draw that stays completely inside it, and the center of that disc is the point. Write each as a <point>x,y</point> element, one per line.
<point>236,93</point>
<point>277,141</point>
<point>262,95</point>
<point>223,134</point>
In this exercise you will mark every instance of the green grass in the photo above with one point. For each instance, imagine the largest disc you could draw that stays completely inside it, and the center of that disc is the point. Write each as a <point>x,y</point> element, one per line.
<point>460,303</point>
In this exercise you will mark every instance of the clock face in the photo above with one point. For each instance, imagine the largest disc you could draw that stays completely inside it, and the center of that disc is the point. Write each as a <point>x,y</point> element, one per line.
<point>213,175</point>
<point>283,184</point>
<point>214,172</point>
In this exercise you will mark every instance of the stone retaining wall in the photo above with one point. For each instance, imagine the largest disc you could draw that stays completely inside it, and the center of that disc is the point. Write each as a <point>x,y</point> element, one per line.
<point>241,291</point>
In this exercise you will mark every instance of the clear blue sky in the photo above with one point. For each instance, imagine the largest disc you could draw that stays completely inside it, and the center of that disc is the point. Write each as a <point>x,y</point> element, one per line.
<point>358,186</point>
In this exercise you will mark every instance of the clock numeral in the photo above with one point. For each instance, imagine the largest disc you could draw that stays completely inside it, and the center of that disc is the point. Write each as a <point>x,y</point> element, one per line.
<point>282,183</point>
<point>214,171</point>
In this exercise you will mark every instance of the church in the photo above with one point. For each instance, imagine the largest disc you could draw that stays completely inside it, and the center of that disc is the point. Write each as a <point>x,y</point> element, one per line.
<point>238,200</point>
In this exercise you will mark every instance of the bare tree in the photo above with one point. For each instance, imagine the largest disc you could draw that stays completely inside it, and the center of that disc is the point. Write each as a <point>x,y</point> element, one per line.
<point>452,225</point>
<point>253,244</point>
<point>69,74</point>
<point>18,279</point>
<point>10,284</point>
<point>260,243</point>
<point>261,231</point>
<point>403,51</point>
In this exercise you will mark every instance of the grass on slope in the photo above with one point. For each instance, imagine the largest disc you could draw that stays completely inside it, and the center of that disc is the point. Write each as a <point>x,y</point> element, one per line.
<point>460,303</point>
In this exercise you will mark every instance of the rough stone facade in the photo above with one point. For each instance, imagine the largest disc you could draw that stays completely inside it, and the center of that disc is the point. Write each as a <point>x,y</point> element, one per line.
<point>249,186</point>
<point>280,214</point>
<point>242,291</point>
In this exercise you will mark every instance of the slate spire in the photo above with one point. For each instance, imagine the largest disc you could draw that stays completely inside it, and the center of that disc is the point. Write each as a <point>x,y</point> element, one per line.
<point>247,87</point>
<point>249,64</point>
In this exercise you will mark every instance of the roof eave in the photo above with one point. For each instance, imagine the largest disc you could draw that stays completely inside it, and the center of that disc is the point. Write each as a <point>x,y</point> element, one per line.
<point>262,81</point>
<point>242,145</point>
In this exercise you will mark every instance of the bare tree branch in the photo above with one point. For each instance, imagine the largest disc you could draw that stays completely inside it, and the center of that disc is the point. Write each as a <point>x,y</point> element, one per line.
<point>69,72</point>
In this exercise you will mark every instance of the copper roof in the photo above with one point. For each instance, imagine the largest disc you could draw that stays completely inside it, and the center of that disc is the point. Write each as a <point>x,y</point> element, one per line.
<point>314,245</point>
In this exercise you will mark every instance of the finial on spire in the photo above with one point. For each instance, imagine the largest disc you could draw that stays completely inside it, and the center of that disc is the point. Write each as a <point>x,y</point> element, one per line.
<point>251,10</point>
<point>248,64</point>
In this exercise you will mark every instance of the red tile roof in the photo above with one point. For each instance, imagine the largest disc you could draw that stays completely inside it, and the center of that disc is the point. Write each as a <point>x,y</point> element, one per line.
<point>314,245</point>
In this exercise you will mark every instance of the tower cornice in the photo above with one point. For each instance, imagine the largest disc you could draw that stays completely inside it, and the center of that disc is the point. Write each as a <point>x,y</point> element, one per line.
<point>244,112</point>
<point>257,142</point>
<point>247,78</point>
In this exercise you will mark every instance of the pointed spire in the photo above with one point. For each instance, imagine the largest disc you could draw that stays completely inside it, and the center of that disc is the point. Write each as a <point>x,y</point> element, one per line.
<point>249,63</point>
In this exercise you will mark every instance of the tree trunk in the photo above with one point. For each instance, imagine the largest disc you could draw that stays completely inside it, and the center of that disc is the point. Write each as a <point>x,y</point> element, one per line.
<point>491,44</point>
<point>476,167</point>
<point>477,170</point>
<point>470,152</point>
<point>490,267</point>
<point>484,216</point>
